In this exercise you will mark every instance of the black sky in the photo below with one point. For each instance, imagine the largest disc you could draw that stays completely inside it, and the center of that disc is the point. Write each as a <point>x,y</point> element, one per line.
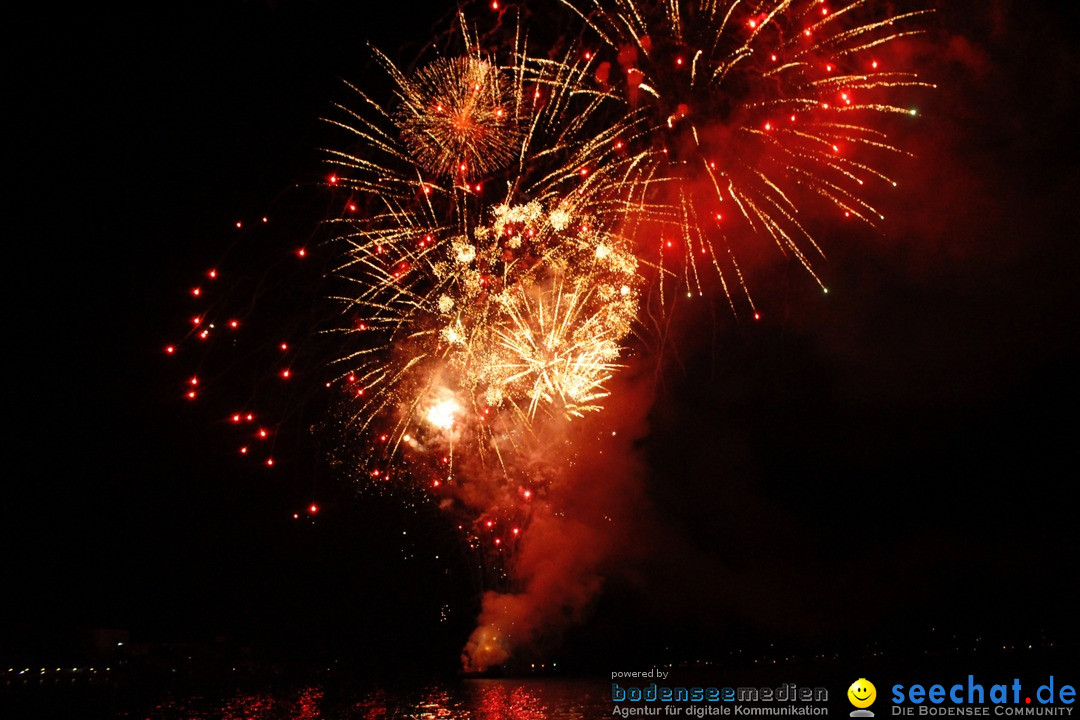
<point>898,453</point>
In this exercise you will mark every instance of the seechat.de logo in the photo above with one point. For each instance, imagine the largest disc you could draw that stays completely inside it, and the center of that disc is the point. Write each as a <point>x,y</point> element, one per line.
<point>862,694</point>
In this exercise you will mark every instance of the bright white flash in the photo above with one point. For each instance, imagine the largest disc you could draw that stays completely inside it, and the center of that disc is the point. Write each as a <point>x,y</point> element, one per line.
<point>442,413</point>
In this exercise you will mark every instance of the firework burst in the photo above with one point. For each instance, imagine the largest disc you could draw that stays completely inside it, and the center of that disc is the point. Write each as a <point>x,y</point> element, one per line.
<point>758,110</point>
<point>458,115</point>
<point>484,290</point>
<point>488,332</point>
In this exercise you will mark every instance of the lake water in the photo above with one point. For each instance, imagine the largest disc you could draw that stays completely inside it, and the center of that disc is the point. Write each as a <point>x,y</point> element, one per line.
<point>480,699</point>
<point>465,700</point>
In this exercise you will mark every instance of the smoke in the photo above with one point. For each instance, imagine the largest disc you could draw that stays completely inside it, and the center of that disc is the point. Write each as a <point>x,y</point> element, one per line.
<point>580,531</point>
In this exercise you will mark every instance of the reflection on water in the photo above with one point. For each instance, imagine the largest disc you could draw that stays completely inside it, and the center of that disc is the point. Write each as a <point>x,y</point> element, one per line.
<point>467,700</point>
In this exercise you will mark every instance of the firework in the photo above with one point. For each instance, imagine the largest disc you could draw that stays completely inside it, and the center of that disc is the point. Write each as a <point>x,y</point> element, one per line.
<point>500,216</point>
<point>457,115</point>
<point>549,337</point>
<point>502,209</point>
<point>527,317</point>
<point>479,303</point>
<point>759,110</point>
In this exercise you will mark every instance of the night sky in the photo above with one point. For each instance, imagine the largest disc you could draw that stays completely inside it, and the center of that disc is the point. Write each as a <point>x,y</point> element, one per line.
<point>856,467</point>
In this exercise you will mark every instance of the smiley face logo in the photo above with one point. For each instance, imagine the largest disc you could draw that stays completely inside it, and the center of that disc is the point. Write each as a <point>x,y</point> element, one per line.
<point>862,693</point>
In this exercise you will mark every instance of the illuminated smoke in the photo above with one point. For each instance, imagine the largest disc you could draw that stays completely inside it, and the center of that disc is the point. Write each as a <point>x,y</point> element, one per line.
<point>588,524</point>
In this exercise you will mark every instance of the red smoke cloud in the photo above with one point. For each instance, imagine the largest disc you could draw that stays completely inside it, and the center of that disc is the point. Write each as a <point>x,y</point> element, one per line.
<point>580,530</point>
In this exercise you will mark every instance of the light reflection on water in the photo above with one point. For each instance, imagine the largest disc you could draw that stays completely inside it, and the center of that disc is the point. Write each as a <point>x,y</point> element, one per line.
<point>547,699</point>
